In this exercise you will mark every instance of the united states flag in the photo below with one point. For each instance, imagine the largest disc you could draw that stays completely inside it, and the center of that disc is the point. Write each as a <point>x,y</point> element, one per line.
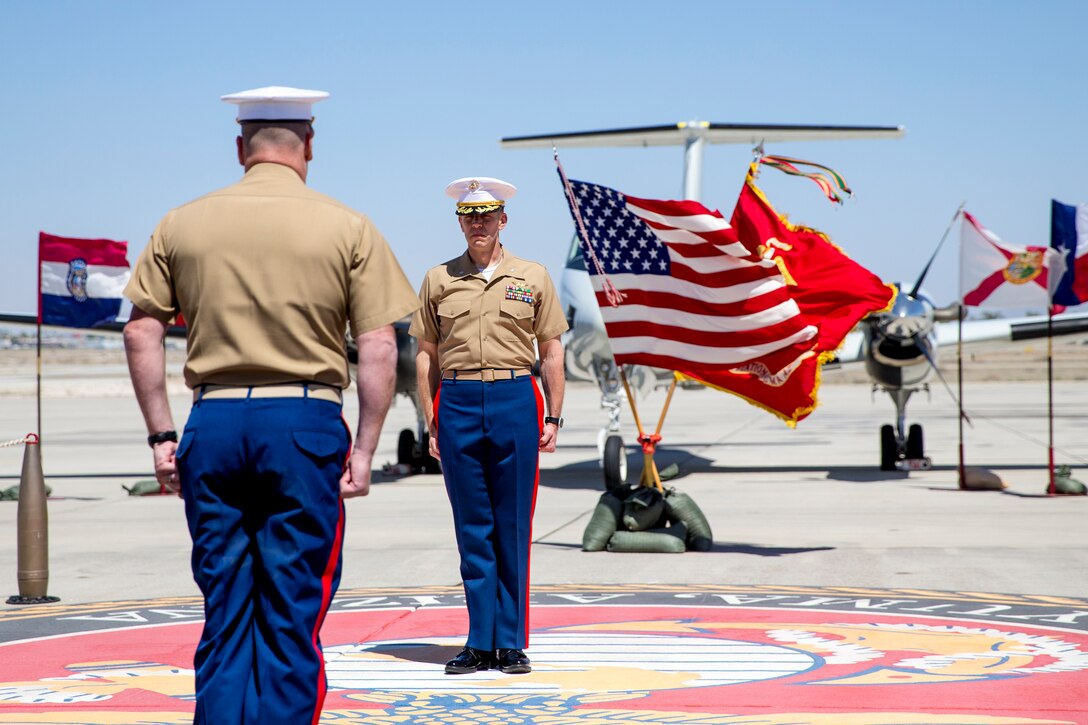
<point>694,299</point>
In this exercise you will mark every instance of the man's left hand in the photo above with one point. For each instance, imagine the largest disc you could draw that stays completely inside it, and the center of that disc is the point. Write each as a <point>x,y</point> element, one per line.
<point>548,436</point>
<point>356,478</point>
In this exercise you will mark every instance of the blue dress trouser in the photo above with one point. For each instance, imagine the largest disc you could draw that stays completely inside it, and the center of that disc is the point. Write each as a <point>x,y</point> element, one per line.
<point>489,442</point>
<point>260,479</point>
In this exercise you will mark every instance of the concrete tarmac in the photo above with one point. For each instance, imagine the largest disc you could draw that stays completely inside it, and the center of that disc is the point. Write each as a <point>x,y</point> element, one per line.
<point>835,593</point>
<point>788,507</point>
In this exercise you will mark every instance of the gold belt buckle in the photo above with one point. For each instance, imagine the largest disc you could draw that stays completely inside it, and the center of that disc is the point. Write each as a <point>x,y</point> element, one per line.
<point>487,375</point>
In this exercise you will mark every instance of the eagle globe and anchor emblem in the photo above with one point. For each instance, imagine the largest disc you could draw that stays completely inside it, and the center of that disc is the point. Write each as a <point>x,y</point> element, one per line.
<point>77,279</point>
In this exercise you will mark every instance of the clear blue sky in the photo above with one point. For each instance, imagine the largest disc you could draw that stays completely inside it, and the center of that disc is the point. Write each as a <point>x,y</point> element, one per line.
<point>111,113</point>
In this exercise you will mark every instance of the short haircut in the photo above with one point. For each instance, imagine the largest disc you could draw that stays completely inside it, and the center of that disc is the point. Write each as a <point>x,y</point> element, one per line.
<point>282,134</point>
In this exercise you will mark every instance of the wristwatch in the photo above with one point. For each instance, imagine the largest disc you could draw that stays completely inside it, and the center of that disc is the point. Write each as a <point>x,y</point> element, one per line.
<point>167,435</point>
<point>557,422</point>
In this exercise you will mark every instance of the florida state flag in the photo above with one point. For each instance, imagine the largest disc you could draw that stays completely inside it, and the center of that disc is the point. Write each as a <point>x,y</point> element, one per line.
<point>832,291</point>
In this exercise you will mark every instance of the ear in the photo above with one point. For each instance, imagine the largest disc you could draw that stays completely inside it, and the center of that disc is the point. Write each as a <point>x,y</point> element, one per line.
<point>309,146</point>
<point>241,150</point>
<point>502,221</point>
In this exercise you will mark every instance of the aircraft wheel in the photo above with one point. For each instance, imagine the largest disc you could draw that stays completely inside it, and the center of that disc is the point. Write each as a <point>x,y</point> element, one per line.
<point>428,463</point>
<point>406,444</point>
<point>915,444</point>
<point>615,462</point>
<point>888,452</point>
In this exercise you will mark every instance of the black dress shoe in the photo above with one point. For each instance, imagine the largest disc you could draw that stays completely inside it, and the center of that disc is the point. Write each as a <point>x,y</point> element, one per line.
<point>470,660</point>
<point>513,662</point>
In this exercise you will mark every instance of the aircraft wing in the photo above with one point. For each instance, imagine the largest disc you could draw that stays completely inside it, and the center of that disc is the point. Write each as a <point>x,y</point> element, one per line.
<point>1013,328</point>
<point>680,133</point>
<point>1010,329</point>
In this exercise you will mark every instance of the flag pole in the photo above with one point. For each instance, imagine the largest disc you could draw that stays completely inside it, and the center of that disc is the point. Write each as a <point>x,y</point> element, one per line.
<point>962,310</point>
<point>38,429</point>
<point>959,401</point>
<point>650,477</point>
<point>1051,488</point>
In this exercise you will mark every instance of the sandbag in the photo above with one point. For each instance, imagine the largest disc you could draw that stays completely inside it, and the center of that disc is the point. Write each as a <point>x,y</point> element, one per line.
<point>643,509</point>
<point>981,479</point>
<point>149,487</point>
<point>1065,484</point>
<point>668,540</point>
<point>603,523</point>
<point>679,507</point>
<point>12,493</point>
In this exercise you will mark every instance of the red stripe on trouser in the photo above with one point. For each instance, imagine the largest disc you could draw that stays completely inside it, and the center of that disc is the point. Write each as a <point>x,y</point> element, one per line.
<point>326,594</point>
<point>532,510</point>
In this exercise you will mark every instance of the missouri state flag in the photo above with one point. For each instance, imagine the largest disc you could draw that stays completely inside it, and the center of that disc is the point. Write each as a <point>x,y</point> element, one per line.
<point>994,273</point>
<point>1069,235</point>
<point>80,281</point>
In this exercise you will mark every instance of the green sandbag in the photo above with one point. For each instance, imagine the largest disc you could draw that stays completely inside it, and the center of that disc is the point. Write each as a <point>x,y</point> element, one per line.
<point>1065,484</point>
<point>603,523</point>
<point>680,507</point>
<point>655,541</point>
<point>643,509</point>
<point>12,493</point>
<point>149,487</point>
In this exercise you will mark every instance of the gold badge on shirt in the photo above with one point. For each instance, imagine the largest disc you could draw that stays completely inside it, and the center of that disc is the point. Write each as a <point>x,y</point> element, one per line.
<point>520,292</point>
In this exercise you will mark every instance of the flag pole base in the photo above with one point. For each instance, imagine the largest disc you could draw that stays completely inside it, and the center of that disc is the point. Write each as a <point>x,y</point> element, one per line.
<point>19,599</point>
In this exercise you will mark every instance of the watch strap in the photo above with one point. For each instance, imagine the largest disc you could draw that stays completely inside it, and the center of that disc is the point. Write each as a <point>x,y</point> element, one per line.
<point>162,437</point>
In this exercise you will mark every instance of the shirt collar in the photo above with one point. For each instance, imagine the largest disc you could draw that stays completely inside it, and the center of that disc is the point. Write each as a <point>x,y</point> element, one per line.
<point>270,169</point>
<point>510,266</point>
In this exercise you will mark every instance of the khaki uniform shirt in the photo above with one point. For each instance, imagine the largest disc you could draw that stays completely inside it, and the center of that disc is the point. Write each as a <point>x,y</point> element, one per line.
<point>480,324</point>
<point>267,273</point>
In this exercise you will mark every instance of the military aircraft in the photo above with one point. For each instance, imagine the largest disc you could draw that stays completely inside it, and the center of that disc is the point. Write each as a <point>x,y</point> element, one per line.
<point>899,347</point>
<point>588,355</point>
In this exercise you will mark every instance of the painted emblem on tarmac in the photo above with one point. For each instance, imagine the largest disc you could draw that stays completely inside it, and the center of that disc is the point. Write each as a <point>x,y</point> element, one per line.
<point>77,279</point>
<point>1023,267</point>
<point>601,656</point>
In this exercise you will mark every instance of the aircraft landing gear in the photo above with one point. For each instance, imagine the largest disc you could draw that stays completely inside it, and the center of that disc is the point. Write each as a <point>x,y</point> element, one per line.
<point>414,454</point>
<point>915,445</point>
<point>614,460</point>
<point>888,453</point>
<point>897,454</point>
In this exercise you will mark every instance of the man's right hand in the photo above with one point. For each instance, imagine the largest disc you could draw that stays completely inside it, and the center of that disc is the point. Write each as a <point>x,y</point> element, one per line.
<point>356,478</point>
<point>166,467</point>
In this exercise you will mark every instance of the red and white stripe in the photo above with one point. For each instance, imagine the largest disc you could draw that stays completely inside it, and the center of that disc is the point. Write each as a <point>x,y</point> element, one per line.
<point>720,304</point>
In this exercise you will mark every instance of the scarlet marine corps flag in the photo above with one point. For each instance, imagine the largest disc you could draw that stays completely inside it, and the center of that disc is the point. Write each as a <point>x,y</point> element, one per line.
<point>832,291</point>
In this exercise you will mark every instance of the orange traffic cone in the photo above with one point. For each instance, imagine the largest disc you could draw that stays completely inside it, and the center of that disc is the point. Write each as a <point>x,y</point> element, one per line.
<point>33,530</point>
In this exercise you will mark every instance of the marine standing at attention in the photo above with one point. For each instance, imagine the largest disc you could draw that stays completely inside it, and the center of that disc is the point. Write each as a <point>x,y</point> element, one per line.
<point>479,315</point>
<point>267,274</point>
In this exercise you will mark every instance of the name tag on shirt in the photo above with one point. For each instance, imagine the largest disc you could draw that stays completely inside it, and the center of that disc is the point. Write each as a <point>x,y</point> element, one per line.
<point>519,292</point>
